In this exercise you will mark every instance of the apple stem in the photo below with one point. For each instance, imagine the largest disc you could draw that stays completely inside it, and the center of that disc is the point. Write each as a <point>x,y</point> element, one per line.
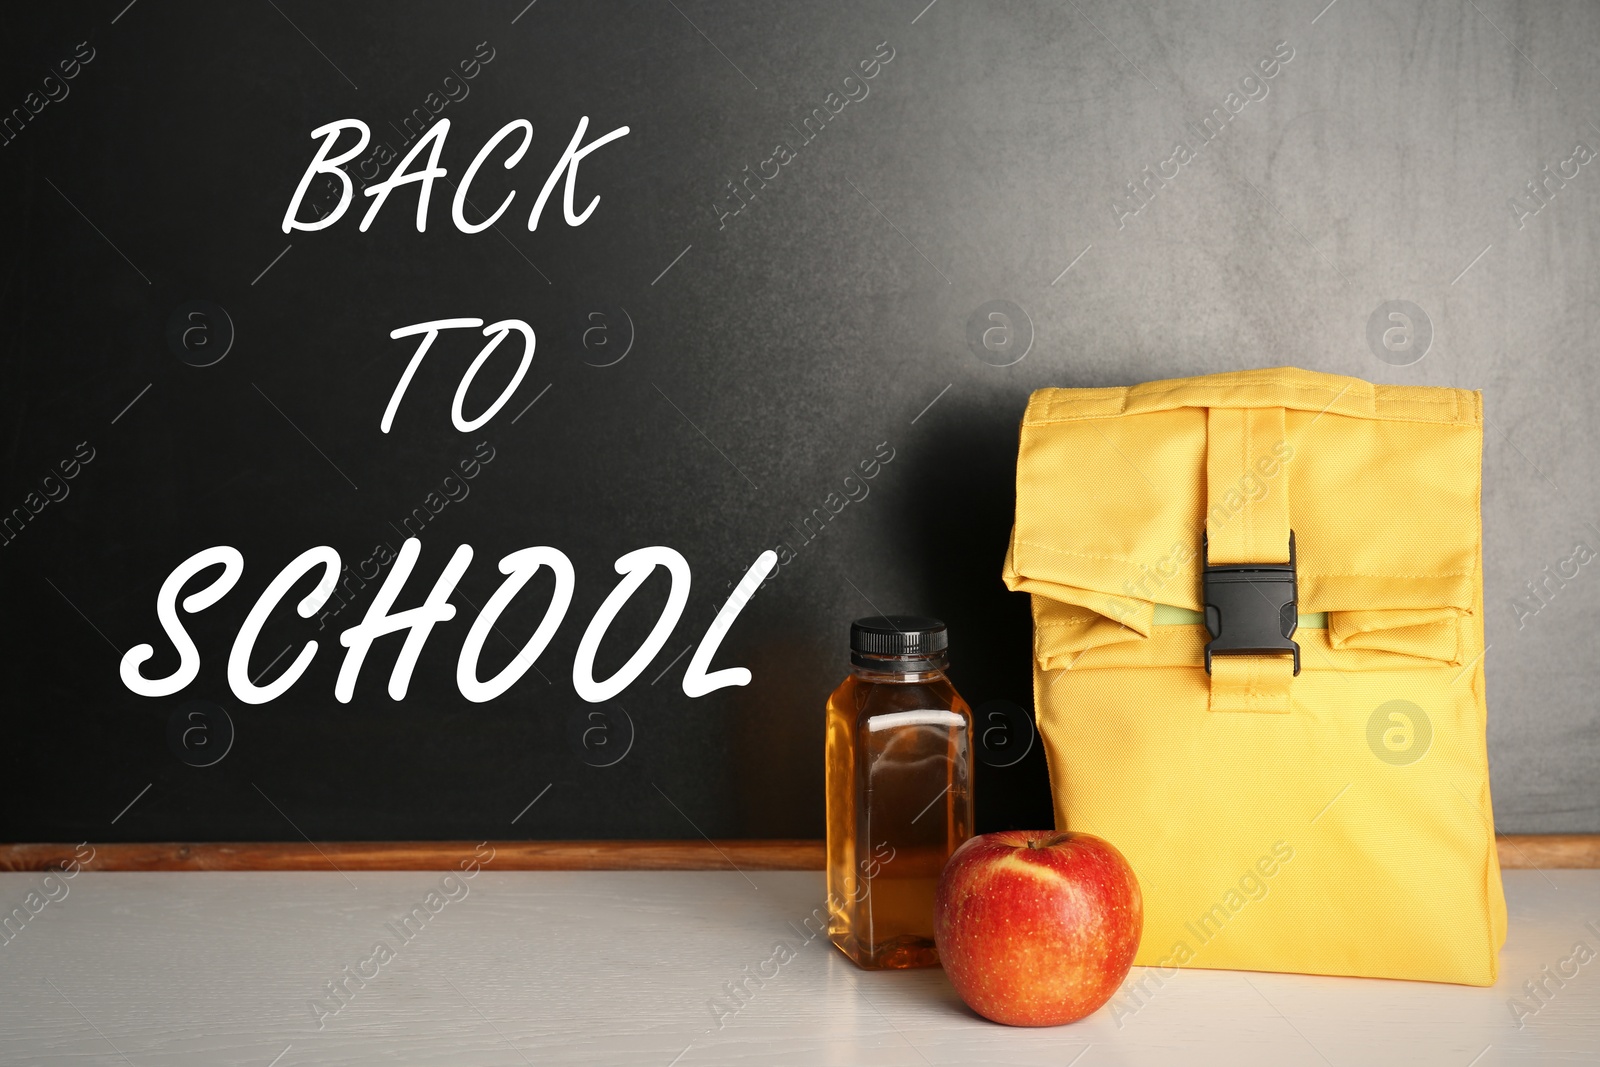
<point>1048,842</point>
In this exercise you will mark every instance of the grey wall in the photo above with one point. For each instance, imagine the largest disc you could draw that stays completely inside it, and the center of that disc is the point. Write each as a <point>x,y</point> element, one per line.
<point>780,348</point>
<point>1379,167</point>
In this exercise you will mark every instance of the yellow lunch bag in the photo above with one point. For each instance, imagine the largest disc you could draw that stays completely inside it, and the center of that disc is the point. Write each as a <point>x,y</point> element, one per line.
<point>1258,664</point>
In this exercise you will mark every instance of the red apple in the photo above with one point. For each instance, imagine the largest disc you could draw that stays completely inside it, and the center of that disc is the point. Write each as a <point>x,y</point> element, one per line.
<point>1037,928</point>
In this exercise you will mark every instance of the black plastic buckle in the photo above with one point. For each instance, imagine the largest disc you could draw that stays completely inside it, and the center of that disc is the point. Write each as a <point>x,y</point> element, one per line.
<point>1251,608</point>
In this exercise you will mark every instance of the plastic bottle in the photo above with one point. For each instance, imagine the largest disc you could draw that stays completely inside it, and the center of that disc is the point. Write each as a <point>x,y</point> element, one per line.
<point>899,784</point>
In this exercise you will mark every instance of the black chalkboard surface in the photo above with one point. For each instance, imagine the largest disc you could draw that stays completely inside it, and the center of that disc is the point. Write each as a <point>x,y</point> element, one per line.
<point>753,341</point>
<point>797,308</point>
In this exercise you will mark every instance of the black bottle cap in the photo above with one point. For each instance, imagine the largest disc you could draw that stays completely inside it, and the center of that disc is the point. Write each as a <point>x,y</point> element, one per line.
<point>916,642</point>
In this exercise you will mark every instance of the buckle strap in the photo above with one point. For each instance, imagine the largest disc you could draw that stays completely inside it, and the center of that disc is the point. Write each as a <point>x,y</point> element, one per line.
<point>1252,683</point>
<point>1249,582</point>
<point>1247,485</point>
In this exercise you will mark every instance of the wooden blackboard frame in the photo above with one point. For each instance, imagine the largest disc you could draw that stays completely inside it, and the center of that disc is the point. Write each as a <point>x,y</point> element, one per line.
<point>1517,852</point>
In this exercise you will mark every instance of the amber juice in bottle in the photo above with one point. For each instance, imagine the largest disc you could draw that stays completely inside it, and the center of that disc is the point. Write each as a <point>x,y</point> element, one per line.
<point>899,784</point>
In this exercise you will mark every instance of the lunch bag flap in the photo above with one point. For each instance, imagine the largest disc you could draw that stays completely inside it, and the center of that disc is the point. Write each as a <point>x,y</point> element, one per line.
<point>1118,489</point>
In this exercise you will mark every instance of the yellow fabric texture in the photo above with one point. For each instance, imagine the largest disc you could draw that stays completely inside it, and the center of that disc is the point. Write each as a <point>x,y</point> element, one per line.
<point>1334,822</point>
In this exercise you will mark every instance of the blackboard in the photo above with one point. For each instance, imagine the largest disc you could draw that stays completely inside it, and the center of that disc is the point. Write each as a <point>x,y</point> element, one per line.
<point>835,250</point>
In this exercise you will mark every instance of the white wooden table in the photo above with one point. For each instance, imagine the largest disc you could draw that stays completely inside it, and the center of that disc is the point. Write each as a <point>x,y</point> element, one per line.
<point>623,968</point>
